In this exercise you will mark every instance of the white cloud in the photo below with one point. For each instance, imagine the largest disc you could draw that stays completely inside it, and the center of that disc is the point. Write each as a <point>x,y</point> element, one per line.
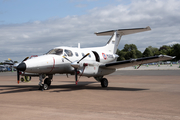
<point>20,40</point>
<point>172,43</point>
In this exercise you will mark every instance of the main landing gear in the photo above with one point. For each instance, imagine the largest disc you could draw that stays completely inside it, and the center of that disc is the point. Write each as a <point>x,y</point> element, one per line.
<point>104,81</point>
<point>47,82</point>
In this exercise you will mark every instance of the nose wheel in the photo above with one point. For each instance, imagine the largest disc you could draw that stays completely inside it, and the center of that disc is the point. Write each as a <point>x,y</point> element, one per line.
<point>47,83</point>
<point>45,87</point>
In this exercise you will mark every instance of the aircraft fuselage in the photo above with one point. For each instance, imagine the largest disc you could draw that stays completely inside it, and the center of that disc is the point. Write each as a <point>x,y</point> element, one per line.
<point>52,62</point>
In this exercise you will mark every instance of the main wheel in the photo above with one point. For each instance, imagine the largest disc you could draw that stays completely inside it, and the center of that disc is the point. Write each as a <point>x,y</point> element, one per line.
<point>104,82</point>
<point>47,81</point>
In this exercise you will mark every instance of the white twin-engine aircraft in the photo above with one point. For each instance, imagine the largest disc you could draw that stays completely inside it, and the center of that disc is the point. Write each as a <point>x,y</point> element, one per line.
<point>90,62</point>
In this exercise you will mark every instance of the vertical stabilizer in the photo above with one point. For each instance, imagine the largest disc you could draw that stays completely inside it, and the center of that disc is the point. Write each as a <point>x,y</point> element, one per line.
<point>113,43</point>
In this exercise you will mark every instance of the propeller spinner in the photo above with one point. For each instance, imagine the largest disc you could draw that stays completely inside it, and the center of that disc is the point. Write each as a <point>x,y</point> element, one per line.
<point>21,67</point>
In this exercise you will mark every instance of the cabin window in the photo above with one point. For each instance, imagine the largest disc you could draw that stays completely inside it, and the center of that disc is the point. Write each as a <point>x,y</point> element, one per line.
<point>83,54</point>
<point>89,55</point>
<point>55,51</point>
<point>68,52</point>
<point>76,54</point>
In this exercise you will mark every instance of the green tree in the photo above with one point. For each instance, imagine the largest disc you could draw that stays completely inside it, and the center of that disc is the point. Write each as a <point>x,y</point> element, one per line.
<point>15,61</point>
<point>147,53</point>
<point>129,47</point>
<point>165,50</point>
<point>121,55</point>
<point>138,54</point>
<point>155,51</point>
<point>129,51</point>
<point>176,51</point>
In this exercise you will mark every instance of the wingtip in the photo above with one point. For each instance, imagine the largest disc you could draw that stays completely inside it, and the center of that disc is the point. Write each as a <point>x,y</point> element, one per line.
<point>148,28</point>
<point>172,57</point>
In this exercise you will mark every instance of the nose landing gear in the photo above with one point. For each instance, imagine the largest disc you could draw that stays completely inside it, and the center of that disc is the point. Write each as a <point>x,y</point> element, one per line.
<point>47,82</point>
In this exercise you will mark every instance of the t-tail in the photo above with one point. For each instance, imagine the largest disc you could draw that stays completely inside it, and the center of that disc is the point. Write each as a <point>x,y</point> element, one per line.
<point>113,43</point>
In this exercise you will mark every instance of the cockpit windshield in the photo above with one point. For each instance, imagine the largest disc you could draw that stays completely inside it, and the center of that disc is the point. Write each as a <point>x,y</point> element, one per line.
<point>55,51</point>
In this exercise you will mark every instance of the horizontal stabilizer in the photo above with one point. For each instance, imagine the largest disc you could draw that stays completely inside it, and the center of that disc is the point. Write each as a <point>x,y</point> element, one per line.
<point>139,61</point>
<point>123,31</point>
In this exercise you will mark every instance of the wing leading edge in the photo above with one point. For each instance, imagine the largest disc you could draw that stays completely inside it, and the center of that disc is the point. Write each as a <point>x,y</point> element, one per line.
<point>139,61</point>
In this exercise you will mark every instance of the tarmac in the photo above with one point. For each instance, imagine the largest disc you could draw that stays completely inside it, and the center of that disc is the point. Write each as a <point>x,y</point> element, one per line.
<point>147,93</point>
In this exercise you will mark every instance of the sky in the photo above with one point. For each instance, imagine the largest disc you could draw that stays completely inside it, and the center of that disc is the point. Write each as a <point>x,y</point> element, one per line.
<point>33,27</point>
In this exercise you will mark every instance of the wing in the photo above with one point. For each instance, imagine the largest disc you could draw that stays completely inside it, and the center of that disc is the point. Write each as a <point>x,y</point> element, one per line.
<point>139,61</point>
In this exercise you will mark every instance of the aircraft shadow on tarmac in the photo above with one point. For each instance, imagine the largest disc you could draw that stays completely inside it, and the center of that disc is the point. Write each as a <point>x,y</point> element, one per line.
<point>5,89</point>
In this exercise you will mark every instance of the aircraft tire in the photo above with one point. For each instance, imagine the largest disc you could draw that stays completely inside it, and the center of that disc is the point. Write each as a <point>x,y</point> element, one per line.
<point>27,78</point>
<point>22,79</point>
<point>45,87</point>
<point>104,82</point>
<point>47,81</point>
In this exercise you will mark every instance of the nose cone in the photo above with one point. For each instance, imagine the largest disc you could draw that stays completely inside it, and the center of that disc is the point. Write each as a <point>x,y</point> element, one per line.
<point>21,67</point>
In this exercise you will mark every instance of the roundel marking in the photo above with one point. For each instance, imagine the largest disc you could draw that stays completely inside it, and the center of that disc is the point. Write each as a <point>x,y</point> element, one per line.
<point>104,56</point>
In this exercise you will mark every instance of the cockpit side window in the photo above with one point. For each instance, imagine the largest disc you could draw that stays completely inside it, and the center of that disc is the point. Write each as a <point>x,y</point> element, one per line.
<point>76,54</point>
<point>68,52</point>
<point>83,54</point>
<point>55,51</point>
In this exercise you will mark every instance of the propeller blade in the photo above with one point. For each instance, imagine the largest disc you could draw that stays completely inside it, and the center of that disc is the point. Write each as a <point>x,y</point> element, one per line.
<point>75,70</point>
<point>18,76</point>
<point>10,60</point>
<point>83,57</point>
<point>25,59</point>
<point>67,59</point>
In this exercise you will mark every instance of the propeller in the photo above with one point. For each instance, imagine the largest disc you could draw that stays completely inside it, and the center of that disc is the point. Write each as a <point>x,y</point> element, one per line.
<point>21,67</point>
<point>76,65</point>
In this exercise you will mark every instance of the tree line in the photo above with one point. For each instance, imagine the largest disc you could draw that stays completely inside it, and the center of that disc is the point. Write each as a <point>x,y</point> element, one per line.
<point>130,51</point>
